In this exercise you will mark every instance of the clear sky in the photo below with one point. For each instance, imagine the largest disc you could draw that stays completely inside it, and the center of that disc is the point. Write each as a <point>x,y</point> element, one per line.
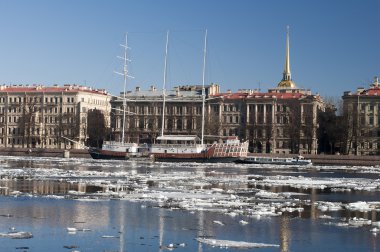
<point>334,44</point>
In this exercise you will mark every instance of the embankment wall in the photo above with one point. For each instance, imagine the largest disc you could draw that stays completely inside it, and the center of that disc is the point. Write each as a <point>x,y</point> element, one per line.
<point>348,160</point>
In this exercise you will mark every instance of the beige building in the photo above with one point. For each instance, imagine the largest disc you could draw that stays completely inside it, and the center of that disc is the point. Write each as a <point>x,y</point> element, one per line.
<point>46,117</point>
<point>362,116</point>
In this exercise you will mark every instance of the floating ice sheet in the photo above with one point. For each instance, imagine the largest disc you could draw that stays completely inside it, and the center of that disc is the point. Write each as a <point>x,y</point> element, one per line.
<point>234,244</point>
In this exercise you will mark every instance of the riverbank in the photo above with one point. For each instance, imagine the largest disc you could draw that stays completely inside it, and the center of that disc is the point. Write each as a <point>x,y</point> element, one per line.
<point>348,160</point>
<point>39,152</point>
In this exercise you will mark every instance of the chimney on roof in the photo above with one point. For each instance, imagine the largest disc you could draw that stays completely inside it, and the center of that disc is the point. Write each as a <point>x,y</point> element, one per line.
<point>229,91</point>
<point>152,88</point>
<point>360,90</point>
<point>137,89</point>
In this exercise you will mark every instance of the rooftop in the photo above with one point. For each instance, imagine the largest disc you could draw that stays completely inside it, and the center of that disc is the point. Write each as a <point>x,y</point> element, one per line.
<point>49,89</point>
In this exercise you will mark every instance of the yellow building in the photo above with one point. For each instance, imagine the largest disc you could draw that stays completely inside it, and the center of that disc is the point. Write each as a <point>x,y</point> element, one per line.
<point>45,117</point>
<point>362,116</point>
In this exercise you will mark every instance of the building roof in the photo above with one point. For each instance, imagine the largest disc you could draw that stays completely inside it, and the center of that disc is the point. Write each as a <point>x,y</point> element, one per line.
<point>373,90</point>
<point>276,95</point>
<point>69,88</point>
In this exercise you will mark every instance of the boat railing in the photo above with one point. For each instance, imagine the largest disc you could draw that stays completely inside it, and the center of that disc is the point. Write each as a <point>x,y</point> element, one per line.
<point>115,143</point>
<point>233,149</point>
<point>176,145</point>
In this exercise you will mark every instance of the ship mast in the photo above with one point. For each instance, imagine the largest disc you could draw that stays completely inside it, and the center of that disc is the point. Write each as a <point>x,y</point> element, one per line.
<point>203,87</point>
<point>164,86</point>
<point>126,76</point>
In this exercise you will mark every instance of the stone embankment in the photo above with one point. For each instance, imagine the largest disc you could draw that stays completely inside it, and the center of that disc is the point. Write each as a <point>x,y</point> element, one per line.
<point>39,152</point>
<point>347,160</point>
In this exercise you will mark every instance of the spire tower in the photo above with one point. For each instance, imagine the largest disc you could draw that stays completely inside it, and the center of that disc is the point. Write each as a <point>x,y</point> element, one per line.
<point>287,75</point>
<point>286,81</point>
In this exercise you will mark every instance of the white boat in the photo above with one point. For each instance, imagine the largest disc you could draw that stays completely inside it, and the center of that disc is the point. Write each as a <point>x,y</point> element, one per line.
<point>186,148</point>
<point>119,151</point>
<point>189,148</point>
<point>299,160</point>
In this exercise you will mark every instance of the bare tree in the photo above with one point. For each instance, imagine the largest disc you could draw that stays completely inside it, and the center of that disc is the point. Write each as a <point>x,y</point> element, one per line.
<point>29,121</point>
<point>96,128</point>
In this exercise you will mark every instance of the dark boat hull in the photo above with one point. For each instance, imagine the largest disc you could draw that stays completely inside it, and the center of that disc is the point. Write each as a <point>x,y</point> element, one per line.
<point>197,160</point>
<point>110,155</point>
<point>193,158</point>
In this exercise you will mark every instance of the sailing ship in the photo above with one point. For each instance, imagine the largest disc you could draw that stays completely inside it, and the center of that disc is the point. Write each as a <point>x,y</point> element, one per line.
<point>119,150</point>
<point>189,148</point>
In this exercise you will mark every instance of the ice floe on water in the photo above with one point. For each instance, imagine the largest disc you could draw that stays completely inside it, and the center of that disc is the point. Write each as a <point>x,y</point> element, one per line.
<point>233,190</point>
<point>17,235</point>
<point>234,244</point>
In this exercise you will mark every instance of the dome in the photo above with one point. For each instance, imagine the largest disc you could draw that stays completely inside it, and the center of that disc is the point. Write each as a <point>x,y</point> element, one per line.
<point>286,84</point>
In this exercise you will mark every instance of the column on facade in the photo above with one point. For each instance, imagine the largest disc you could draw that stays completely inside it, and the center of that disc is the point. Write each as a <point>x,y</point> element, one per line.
<point>247,115</point>
<point>314,147</point>
<point>220,119</point>
<point>274,128</point>
<point>255,113</point>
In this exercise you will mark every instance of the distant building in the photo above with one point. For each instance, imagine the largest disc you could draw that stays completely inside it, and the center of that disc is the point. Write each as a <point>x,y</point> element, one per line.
<point>282,120</point>
<point>362,115</point>
<point>45,117</point>
<point>183,112</point>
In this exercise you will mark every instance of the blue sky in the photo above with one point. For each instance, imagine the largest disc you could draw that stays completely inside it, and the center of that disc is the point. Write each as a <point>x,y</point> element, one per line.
<point>334,44</point>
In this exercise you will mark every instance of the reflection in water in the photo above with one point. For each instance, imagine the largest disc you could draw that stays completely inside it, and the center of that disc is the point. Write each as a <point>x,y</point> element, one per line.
<point>313,207</point>
<point>200,229</point>
<point>161,228</point>
<point>45,187</point>
<point>285,234</point>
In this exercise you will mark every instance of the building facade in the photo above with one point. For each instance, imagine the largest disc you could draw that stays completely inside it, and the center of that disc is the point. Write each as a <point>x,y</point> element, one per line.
<point>47,117</point>
<point>281,120</point>
<point>361,113</point>
<point>143,110</point>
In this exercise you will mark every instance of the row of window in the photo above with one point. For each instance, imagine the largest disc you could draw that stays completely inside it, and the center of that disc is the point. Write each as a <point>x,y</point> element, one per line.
<point>171,110</point>
<point>50,100</point>
<point>20,141</point>
<point>48,119</point>
<point>177,124</point>
<point>36,131</point>
<point>36,99</point>
<point>39,109</point>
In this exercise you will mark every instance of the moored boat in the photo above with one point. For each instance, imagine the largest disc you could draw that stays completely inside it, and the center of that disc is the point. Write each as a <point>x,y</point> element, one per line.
<point>299,160</point>
<point>118,151</point>
<point>186,149</point>
<point>190,148</point>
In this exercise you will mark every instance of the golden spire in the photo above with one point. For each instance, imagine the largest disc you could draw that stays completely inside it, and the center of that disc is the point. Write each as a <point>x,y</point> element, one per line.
<point>287,75</point>
<point>286,81</point>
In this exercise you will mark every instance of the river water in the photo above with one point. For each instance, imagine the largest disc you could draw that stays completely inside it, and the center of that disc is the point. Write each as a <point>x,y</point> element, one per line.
<point>53,204</point>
